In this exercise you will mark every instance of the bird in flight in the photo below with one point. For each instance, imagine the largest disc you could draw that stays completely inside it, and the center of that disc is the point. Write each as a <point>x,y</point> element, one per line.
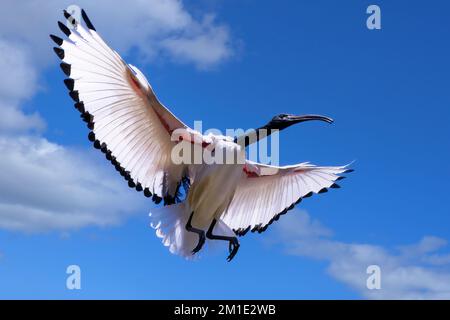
<point>138,134</point>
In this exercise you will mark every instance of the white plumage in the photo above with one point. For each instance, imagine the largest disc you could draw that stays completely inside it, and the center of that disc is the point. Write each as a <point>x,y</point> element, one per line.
<point>137,134</point>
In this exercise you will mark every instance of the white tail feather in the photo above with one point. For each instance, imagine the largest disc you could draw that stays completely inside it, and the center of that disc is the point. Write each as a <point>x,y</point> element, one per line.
<point>170,225</point>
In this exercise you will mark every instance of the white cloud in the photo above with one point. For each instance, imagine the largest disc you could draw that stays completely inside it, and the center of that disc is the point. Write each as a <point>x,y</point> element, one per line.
<point>206,44</point>
<point>12,119</point>
<point>152,27</point>
<point>406,273</point>
<point>18,80</point>
<point>17,83</point>
<point>45,186</point>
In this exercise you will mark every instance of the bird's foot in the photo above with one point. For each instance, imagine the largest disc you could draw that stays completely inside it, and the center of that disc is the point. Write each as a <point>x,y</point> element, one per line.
<point>201,242</point>
<point>233,247</point>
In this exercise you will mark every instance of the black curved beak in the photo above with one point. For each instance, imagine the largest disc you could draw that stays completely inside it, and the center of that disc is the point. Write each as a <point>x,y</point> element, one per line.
<point>308,117</point>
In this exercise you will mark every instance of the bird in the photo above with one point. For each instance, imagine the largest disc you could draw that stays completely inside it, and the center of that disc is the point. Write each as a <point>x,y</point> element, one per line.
<point>138,135</point>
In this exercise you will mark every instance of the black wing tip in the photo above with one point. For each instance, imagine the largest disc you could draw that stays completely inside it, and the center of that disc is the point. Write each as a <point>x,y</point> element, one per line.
<point>87,20</point>
<point>75,96</point>
<point>66,68</point>
<point>87,117</point>
<point>64,28</point>
<point>59,52</point>
<point>80,107</point>
<point>257,227</point>
<point>90,125</point>
<point>323,190</point>
<point>104,148</point>
<point>97,144</point>
<point>56,39</point>
<point>70,84</point>
<point>309,194</point>
<point>242,231</point>
<point>147,193</point>
<point>156,199</point>
<point>91,136</point>
<point>66,14</point>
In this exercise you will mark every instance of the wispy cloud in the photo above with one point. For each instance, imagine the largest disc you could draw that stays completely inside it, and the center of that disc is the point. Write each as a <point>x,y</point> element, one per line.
<point>415,271</point>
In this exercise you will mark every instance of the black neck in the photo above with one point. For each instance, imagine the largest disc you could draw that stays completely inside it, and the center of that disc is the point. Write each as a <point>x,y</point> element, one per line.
<point>255,135</point>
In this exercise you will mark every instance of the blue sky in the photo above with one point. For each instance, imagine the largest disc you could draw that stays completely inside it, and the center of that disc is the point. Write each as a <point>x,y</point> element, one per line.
<point>62,204</point>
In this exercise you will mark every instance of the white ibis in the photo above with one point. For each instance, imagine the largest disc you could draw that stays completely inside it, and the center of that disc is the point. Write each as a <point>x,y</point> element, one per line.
<point>135,132</point>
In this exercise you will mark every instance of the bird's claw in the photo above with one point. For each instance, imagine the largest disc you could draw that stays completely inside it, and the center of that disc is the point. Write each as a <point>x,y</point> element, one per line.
<point>201,242</point>
<point>233,247</point>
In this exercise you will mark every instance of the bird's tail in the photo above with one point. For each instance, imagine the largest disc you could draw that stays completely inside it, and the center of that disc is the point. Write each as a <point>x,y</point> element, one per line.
<point>170,225</point>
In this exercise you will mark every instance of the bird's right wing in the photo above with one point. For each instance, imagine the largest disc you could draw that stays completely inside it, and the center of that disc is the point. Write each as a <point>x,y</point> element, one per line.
<point>126,120</point>
<point>266,192</point>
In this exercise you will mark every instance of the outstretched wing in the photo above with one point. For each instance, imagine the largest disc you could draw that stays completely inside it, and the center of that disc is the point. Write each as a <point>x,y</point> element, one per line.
<point>266,192</point>
<point>126,120</point>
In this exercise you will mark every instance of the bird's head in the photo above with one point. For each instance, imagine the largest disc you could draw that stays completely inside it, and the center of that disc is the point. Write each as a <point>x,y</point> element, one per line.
<point>282,121</point>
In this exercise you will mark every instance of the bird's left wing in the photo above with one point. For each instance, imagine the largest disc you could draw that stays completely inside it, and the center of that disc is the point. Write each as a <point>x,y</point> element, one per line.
<point>266,192</point>
<point>126,120</point>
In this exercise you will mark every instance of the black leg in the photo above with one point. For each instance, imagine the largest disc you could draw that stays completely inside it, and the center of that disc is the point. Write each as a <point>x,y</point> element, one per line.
<point>233,246</point>
<point>201,234</point>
